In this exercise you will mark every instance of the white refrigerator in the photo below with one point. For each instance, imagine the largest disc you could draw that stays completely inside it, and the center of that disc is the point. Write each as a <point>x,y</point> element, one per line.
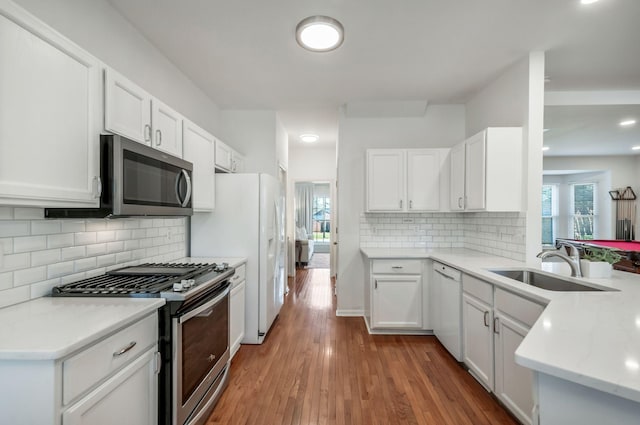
<point>248,221</point>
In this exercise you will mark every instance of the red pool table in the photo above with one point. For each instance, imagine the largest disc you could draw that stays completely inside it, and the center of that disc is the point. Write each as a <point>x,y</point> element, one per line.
<point>630,251</point>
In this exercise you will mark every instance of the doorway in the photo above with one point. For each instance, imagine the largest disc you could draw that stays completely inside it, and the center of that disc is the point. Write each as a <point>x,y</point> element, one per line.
<point>313,214</point>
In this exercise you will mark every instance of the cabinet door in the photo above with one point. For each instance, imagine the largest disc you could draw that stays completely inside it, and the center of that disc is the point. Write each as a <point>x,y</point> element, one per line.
<point>385,180</point>
<point>49,115</point>
<point>423,180</point>
<point>456,200</point>
<point>478,339</point>
<point>199,148</point>
<point>129,397</point>
<point>476,172</point>
<point>236,331</point>
<point>127,108</point>
<point>514,383</point>
<point>223,156</point>
<point>397,302</point>
<point>167,128</point>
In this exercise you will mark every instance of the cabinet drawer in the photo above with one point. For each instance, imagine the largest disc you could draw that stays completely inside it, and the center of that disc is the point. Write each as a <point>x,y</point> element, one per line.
<point>401,266</point>
<point>238,276</point>
<point>517,307</point>
<point>92,365</point>
<point>478,288</point>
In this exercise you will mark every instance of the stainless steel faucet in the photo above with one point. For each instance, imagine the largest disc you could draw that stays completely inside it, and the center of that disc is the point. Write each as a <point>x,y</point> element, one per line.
<point>573,259</point>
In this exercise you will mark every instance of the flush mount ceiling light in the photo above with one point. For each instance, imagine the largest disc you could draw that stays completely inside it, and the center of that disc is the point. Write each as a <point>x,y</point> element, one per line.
<point>309,138</point>
<point>319,33</point>
<point>627,123</point>
<point>545,148</point>
<point>588,1</point>
<point>636,148</point>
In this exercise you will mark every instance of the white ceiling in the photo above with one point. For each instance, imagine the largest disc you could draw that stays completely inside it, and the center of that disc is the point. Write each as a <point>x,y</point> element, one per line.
<point>243,53</point>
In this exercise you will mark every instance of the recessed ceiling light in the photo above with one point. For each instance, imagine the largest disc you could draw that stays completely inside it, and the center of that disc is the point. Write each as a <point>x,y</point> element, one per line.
<point>319,33</point>
<point>588,1</point>
<point>627,123</point>
<point>544,130</point>
<point>545,148</point>
<point>636,148</point>
<point>309,138</point>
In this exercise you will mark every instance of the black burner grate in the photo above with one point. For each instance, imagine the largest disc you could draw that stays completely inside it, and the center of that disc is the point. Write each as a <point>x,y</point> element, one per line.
<point>135,284</point>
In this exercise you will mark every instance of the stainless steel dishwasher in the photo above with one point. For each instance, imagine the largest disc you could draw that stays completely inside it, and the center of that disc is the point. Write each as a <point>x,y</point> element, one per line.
<point>446,308</point>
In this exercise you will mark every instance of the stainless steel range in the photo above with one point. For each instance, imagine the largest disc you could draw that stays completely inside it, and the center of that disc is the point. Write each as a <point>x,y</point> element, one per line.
<point>194,330</point>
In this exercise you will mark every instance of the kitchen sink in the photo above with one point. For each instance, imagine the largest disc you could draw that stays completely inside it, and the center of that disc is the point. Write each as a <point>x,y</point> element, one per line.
<point>546,280</point>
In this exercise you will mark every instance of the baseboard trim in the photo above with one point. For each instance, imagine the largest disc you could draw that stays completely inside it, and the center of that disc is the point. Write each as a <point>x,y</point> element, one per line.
<point>350,313</point>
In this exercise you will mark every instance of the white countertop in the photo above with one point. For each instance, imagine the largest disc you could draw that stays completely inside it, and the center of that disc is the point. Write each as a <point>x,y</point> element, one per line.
<point>591,338</point>
<point>51,328</point>
<point>232,261</point>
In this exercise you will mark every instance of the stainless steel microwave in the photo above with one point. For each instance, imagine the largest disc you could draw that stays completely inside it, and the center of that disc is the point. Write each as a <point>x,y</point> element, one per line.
<point>136,180</point>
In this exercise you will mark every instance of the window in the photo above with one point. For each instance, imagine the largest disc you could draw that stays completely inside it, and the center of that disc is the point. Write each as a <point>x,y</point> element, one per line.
<point>549,213</point>
<point>583,210</point>
<point>321,218</point>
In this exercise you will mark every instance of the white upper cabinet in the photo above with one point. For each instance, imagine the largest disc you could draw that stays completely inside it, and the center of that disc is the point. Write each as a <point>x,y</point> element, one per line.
<point>50,107</point>
<point>457,177</point>
<point>491,178</point>
<point>133,113</point>
<point>127,108</point>
<point>199,148</point>
<point>227,159</point>
<point>167,128</point>
<point>403,180</point>
<point>423,180</point>
<point>386,179</point>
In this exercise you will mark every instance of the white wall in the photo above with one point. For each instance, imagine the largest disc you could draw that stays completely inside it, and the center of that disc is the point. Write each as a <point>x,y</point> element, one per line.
<point>624,171</point>
<point>259,136</point>
<point>516,98</point>
<point>442,126</point>
<point>307,163</point>
<point>98,28</point>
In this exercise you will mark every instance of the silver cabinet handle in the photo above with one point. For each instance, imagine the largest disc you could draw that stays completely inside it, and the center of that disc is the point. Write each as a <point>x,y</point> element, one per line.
<point>410,204</point>
<point>460,202</point>
<point>486,318</point>
<point>98,183</point>
<point>400,203</point>
<point>375,284</point>
<point>147,133</point>
<point>125,349</point>
<point>158,137</point>
<point>236,277</point>
<point>496,325</point>
<point>396,267</point>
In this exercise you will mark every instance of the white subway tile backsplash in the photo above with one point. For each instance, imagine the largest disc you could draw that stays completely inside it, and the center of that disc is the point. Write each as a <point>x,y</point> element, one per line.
<point>29,243</point>
<point>493,233</point>
<point>15,262</point>
<point>40,254</point>
<point>60,241</point>
<point>49,256</point>
<point>72,253</point>
<point>14,228</point>
<point>30,275</point>
<point>46,227</point>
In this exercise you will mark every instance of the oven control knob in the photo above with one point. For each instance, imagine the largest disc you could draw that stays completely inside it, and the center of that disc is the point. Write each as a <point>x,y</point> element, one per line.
<point>177,287</point>
<point>192,282</point>
<point>187,283</point>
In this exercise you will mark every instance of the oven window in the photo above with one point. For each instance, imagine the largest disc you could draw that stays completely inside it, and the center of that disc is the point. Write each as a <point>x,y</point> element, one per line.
<point>204,340</point>
<point>147,181</point>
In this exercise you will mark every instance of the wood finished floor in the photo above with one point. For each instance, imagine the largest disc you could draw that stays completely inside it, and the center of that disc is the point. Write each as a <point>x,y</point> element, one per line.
<point>316,368</point>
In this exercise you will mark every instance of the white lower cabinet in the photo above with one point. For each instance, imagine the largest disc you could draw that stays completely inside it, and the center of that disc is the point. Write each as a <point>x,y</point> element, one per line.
<point>477,339</point>
<point>237,309</point>
<point>397,302</point>
<point>110,381</point>
<point>129,397</point>
<point>495,322</point>
<point>395,298</point>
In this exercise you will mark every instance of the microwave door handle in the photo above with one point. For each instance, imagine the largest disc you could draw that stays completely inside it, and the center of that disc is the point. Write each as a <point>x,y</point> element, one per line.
<point>185,201</point>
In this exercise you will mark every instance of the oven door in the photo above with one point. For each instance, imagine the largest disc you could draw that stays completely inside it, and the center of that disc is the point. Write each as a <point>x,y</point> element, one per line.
<point>201,347</point>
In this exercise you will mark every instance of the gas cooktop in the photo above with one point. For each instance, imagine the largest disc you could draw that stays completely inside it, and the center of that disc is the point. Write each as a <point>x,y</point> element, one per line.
<point>168,280</point>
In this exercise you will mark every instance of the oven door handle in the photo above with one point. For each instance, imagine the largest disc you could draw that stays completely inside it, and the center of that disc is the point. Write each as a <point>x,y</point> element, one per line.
<point>202,310</point>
